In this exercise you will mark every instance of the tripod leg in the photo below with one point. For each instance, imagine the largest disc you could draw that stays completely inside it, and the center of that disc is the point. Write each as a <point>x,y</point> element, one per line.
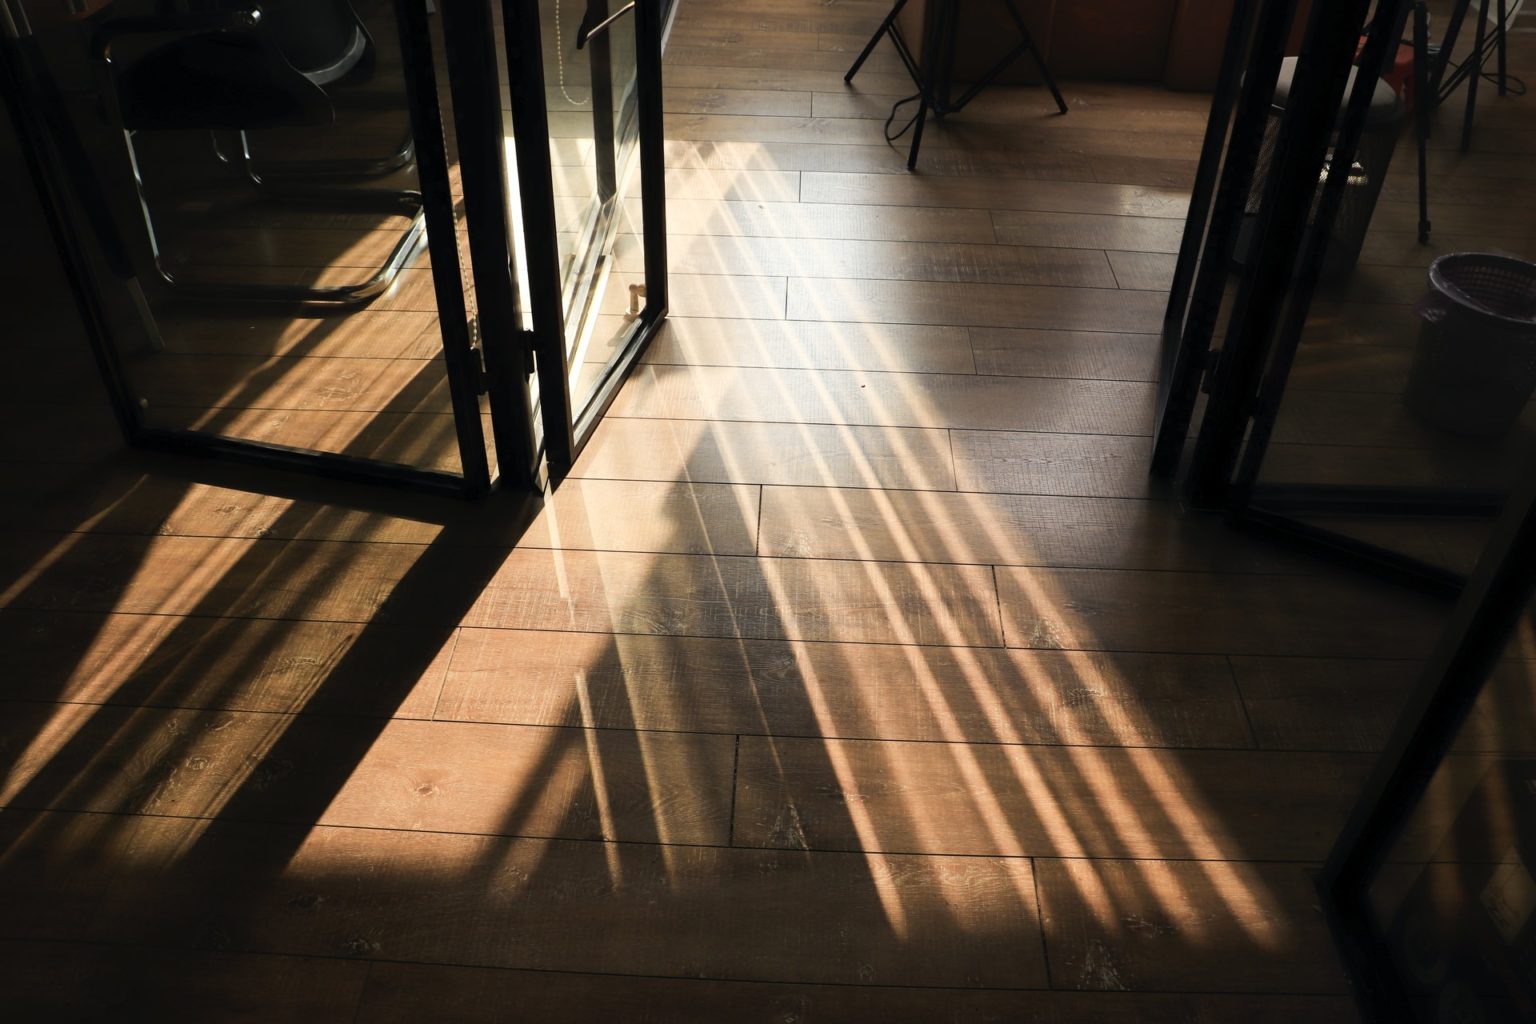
<point>1476,57</point>
<point>1421,109</point>
<point>1034,51</point>
<point>869,47</point>
<point>1503,31</point>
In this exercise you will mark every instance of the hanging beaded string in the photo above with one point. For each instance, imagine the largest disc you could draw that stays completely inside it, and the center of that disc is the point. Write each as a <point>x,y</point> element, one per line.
<point>560,62</point>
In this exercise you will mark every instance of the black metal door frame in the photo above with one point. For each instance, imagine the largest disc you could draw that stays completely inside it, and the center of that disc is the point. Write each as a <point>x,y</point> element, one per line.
<point>1496,597</point>
<point>1274,508</point>
<point>567,429</point>
<point>83,229</point>
<point>1255,46</point>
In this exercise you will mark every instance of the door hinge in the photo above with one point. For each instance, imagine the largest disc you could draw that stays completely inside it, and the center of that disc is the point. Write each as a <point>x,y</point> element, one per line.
<point>527,338</point>
<point>477,356</point>
<point>1212,361</point>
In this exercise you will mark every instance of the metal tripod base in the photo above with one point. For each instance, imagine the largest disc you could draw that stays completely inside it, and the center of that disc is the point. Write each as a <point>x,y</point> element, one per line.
<point>935,85</point>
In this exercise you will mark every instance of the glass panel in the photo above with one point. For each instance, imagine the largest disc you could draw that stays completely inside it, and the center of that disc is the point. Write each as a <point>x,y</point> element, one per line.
<point>1233,157</point>
<point>1456,898</point>
<point>255,195</point>
<point>1406,412</point>
<point>594,137</point>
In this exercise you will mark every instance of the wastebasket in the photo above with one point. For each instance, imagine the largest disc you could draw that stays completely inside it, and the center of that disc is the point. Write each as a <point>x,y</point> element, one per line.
<point>1474,368</point>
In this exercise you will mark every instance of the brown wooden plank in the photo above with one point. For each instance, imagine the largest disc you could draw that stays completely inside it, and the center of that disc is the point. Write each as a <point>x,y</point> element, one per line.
<point>56,870</point>
<point>976,305</point>
<point>681,99</point>
<point>827,689</point>
<point>1049,463</point>
<point>436,776</point>
<point>624,515</point>
<point>94,981</point>
<point>752,186</point>
<point>1096,609</point>
<point>1188,927</point>
<point>1085,354</point>
<point>531,589</point>
<point>980,193</point>
<point>1053,163</point>
<point>1005,529</point>
<point>288,382</point>
<point>405,993</point>
<point>238,664</point>
<point>885,399</point>
<point>787,599</point>
<point>1145,271</point>
<point>900,261</point>
<point>367,333</point>
<point>781,453</point>
<point>576,906</point>
<point>825,221</point>
<point>1088,230</point>
<point>819,346</point>
<point>1021,801</point>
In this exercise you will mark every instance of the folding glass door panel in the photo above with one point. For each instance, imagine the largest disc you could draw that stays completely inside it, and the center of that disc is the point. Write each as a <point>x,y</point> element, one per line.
<point>1395,413</point>
<point>1219,232</point>
<point>258,204</point>
<point>586,76</point>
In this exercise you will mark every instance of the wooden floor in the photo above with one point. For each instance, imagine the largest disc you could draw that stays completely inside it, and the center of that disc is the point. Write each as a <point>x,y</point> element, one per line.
<point>858,674</point>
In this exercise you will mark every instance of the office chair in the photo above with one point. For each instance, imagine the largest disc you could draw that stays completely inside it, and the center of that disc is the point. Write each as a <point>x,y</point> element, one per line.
<point>227,70</point>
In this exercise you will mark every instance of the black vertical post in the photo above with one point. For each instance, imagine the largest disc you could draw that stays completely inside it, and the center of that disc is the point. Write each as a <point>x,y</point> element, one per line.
<point>1480,40</point>
<point>442,238</point>
<point>653,163</point>
<point>469,34</point>
<point>530,120</point>
<point>1493,603</point>
<point>603,133</point>
<point>1301,148</point>
<point>1192,355</point>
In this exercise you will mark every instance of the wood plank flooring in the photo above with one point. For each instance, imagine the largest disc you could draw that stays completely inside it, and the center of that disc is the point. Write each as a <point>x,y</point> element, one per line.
<point>859,672</point>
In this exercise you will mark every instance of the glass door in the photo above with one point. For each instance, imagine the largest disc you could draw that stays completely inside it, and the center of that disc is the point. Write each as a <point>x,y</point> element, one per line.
<point>259,206</point>
<point>585,75</point>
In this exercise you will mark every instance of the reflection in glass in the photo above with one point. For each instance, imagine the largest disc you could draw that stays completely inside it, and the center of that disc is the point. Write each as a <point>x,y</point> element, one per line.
<point>594,129</point>
<point>1456,897</point>
<point>263,207</point>
<point>1384,435</point>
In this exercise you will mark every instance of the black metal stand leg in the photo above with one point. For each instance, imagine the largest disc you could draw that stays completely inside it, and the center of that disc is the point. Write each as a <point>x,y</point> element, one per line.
<point>869,47</point>
<point>1034,51</point>
<point>1422,104</point>
<point>1476,58</point>
<point>1503,35</point>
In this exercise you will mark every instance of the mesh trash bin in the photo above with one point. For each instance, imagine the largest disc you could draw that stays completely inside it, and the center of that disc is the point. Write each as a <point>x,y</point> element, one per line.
<point>1475,365</point>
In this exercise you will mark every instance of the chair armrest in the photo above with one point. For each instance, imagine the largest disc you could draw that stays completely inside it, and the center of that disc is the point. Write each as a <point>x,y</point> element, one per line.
<point>171,24</point>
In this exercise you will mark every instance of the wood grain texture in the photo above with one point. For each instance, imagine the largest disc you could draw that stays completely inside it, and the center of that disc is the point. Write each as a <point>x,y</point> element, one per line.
<point>401,993</point>
<point>765,219</point>
<point>95,981</point>
<point>885,399</point>
<point>884,260</point>
<point>160,660</point>
<point>1182,926</point>
<point>1094,465</point>
<point>936,526</point>
<point>779,453</point>
<point>845,690</point>
<point>488,901</point>
<point>435,776</point>
<point>976,305</point>
<point>949,798</point>
<point>701,341</point>
<point>1192,612</point>
<point>1085,354</point>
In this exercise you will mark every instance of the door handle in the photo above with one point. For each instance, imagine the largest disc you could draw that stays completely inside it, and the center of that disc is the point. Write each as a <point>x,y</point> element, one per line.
<point>586,30</point>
